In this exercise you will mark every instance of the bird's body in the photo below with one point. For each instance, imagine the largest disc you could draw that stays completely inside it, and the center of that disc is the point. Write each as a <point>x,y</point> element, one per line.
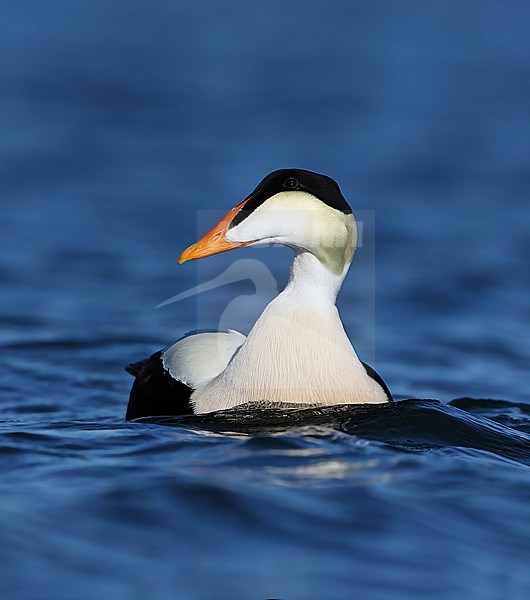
<point>297,353</point>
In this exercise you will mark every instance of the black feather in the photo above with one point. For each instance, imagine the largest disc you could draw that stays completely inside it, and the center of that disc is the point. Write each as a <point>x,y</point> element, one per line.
<point>155,392</point>
<point>376,377</point>
<point>135,368</point>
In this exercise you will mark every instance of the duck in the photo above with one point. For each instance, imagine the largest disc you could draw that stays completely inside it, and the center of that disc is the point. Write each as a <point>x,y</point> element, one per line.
<point>297,354</point>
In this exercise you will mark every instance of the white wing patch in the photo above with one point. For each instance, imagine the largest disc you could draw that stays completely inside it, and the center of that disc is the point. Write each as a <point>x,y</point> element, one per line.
<point>199,357</point>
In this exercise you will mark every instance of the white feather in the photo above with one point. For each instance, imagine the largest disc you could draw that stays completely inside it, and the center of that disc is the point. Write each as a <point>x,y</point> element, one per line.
<point>197,358</point>
<point>297,352</point>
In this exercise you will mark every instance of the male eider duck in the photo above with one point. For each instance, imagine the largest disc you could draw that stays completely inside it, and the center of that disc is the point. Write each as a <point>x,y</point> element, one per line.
<point>297,353</point>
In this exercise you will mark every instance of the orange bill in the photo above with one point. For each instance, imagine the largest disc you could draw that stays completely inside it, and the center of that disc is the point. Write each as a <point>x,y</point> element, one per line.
<point>215,240</point>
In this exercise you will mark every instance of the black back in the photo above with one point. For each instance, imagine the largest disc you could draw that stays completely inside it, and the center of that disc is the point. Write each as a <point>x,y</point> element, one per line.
<point>293,180</point>
<point>155,392</point>
<point>376,377</point>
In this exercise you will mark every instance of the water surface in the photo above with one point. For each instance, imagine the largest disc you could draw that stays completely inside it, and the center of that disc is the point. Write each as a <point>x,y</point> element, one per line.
<point>120,120</point>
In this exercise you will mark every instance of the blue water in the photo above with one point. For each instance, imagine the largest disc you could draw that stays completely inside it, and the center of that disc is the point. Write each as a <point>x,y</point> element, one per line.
<point>119,121</point>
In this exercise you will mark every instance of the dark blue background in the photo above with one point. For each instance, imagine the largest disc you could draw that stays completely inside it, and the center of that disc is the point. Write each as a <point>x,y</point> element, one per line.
<point>118,121</point>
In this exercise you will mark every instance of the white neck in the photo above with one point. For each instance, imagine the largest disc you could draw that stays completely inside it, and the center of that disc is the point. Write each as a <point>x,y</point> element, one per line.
<point>311,281</point>
<point>297,351</point>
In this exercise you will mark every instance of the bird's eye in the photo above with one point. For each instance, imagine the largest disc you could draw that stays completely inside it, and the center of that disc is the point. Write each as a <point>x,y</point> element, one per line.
<point>291,183</point>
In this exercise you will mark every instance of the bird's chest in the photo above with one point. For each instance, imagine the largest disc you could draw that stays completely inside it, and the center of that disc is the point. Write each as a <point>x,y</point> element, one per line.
<point>288,359</point>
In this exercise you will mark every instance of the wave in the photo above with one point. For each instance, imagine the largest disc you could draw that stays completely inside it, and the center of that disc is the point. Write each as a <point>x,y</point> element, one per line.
<point>413,424</point>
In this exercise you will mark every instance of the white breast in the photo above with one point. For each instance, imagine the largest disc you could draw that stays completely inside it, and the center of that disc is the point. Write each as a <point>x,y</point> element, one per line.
<point>295,356</point>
